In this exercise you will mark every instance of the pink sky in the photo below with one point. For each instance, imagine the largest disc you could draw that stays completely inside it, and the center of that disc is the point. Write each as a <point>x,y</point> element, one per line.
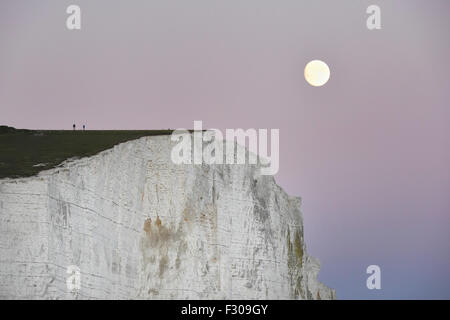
<point>368,152</point>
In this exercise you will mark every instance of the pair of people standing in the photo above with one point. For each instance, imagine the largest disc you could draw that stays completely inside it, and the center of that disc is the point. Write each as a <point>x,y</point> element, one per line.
<point>75,126</point>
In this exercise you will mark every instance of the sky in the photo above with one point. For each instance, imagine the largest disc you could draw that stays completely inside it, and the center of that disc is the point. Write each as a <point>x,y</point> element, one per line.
<point>368,152</point>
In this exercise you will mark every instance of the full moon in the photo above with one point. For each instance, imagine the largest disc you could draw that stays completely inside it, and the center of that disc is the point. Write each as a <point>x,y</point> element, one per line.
<point>317,73</point>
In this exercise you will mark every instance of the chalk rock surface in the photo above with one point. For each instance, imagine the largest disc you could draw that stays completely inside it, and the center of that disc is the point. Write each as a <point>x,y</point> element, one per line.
<point>137,226</point>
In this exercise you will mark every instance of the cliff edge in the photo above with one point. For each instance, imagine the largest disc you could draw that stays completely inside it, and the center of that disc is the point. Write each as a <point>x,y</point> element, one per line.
<point>137,226</point>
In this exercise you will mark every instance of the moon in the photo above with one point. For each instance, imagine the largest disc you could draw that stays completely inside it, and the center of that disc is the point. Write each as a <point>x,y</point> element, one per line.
<point>317,73</point>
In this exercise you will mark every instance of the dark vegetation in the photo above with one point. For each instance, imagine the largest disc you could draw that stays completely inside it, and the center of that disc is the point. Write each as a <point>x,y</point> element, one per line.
<point>25,152</point>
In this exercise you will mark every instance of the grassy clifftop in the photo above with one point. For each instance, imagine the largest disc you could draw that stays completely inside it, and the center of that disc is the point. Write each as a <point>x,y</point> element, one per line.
<point>25,152</point>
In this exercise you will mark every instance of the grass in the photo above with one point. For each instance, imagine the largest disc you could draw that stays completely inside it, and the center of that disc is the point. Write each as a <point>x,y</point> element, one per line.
<point>21,150</point>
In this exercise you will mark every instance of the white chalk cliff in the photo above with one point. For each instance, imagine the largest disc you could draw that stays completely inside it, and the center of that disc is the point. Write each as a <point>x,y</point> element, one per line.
<point>140,227</point>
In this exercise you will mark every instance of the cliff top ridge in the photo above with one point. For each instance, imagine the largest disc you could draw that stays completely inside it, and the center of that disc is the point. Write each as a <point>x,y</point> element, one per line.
<point>25,152</point>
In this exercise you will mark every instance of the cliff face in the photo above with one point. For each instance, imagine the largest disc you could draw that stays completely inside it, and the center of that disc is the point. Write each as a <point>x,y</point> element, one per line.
<point>140,227</point>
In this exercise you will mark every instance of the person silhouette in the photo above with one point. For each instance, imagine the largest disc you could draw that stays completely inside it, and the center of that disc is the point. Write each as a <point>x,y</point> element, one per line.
<point>84,127</point>
<point>74,127</point>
